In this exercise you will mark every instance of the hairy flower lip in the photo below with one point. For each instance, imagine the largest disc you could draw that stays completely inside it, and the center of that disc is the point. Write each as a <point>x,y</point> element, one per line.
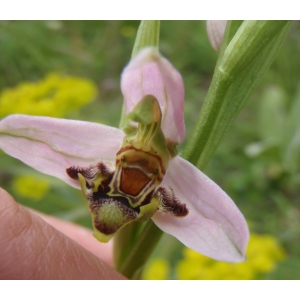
<point>121,200</point>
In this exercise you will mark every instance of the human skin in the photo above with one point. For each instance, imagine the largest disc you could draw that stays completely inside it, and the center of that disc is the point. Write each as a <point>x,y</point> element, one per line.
<point>41,247</point>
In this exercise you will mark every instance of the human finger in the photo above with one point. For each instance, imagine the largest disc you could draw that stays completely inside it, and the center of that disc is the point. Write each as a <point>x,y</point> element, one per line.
<point>32,249</point>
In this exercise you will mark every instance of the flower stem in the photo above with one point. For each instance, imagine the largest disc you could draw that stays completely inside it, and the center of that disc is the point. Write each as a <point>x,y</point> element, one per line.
<point>141,251</point>
<point>147,35</point>
<point>124,241</point>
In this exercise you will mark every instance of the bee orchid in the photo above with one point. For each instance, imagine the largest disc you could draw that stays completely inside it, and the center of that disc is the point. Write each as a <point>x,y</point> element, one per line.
<point>135,174</point>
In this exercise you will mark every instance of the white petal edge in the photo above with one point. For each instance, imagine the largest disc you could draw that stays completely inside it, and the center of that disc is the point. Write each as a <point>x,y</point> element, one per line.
<point>214,226</point>
<point>51,145</point>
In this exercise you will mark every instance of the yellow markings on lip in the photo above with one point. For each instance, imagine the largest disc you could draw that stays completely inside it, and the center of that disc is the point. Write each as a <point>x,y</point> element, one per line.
<point>138,169</point>
<point>135,158</point>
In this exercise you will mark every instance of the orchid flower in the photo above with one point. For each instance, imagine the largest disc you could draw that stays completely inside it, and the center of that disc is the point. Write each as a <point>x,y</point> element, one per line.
<point>135,174</point>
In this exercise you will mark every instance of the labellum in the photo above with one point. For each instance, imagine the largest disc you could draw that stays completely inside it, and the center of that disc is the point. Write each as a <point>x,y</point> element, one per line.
<point>131,191</point>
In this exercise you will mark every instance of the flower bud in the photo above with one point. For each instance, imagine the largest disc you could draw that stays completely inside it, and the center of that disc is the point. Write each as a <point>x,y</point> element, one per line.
<point>215,31</point>
<point>151,74</point>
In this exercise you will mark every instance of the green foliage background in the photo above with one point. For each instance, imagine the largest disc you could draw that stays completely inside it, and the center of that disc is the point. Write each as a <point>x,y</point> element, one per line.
<point>257,163</point>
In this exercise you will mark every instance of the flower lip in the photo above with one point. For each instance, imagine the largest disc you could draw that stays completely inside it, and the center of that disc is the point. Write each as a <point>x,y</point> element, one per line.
<point>110,214</point>
<point>122,202</point>
<point>133,181</point>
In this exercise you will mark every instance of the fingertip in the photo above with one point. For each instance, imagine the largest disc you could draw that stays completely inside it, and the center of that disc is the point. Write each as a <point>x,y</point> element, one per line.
<point>82,236</point>
<point>7,202</point>
<point>32,249</point>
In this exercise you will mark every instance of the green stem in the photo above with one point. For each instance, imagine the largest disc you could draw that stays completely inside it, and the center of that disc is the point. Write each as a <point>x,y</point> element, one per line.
<point>124,241</point>
<point>250,40</point>
<point>206,120</point>
<point>141,251</point>
<point>211,108</point>
<point>238,71</point>
<point>148,35</point>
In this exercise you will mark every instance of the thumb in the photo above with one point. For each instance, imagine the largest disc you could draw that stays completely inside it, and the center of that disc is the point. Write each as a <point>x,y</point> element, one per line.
<point>32,249</point>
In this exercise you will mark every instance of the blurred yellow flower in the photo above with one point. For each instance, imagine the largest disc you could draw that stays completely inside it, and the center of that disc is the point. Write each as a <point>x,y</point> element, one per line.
<point>262,254</point>
<point>54,96</point>
<point>158,269</point>
<point>30,187</point>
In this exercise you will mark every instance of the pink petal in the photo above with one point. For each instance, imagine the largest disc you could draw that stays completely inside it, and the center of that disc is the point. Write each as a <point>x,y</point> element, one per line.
<point>215,31</point>
<point>51,145</point>
<point>150,73</point>
<point>214,225</point>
